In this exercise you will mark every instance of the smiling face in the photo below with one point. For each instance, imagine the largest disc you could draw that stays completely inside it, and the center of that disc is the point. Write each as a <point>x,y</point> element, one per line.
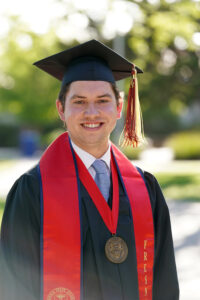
<point>90,114</point>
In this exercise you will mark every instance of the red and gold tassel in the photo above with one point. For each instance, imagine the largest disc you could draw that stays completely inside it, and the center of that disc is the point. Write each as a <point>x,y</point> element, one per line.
<point>133,132</point>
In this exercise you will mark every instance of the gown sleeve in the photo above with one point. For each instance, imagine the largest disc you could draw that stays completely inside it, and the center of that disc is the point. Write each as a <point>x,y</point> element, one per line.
<point>165,285</point>
<point>20,234</point>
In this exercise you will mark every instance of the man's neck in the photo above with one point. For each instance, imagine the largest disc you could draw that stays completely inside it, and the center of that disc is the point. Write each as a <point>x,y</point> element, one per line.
<point>97,152</point>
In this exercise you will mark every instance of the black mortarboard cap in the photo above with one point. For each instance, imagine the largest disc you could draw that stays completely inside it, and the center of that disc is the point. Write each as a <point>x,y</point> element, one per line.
<point>88,61</point>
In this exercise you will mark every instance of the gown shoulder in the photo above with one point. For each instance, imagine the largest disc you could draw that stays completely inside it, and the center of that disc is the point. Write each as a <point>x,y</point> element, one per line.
<point>157,198</point>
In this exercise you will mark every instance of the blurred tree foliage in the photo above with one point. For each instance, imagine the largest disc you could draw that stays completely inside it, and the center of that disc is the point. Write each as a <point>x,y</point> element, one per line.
<point>161,42</point>
<point>25,91</point>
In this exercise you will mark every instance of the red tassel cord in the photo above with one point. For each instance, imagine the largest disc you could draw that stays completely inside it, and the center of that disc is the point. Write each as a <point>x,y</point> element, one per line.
<point>133,133</point>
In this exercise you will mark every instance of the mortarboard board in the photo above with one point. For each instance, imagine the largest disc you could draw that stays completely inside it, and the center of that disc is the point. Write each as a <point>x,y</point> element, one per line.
<point>93,60</point>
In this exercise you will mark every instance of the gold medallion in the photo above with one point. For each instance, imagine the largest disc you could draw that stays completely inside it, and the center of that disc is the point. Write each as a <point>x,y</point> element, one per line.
<point>116,250</point>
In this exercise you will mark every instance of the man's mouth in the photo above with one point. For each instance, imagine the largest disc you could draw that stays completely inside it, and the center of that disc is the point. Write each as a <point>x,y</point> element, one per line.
<point>92,125</point>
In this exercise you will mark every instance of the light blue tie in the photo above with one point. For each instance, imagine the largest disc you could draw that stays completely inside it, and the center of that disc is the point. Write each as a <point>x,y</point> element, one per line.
<point>102,177</point>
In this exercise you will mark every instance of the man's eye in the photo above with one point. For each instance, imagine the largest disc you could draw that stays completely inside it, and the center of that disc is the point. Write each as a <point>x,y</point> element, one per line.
<point>78,102</point>
<point>103,100</point>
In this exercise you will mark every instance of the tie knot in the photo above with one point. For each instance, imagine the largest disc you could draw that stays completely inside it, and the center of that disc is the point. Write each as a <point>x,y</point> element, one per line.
<point>100,166</point>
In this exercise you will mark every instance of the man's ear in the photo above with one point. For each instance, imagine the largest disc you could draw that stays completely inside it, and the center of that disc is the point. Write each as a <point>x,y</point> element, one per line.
<point>60,110</point>
<point>120,105</point>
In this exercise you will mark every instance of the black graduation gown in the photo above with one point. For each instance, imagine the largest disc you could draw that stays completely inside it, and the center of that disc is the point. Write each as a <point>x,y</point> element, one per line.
<point>102,280</point>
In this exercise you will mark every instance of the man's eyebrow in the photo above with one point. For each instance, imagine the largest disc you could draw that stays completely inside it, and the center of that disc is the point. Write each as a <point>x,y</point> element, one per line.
<point>105,95</point>
<point>75,96</point>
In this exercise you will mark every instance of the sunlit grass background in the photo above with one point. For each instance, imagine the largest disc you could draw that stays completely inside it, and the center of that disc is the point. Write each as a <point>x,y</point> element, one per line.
<point>2,203</point>
<point>185,187</point>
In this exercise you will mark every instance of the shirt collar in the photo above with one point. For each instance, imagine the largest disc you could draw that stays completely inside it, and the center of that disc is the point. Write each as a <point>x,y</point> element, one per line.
<point>88,159</point>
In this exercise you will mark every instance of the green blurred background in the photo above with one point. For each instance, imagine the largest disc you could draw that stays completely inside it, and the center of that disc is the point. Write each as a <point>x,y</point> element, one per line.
<point>161,37</point>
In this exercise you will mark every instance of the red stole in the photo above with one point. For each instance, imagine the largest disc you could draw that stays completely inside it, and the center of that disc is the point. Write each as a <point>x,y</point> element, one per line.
<point>61,233</point>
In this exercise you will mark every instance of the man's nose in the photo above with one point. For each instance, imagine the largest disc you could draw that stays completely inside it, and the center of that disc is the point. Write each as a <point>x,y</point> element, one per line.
<point>92,109</point>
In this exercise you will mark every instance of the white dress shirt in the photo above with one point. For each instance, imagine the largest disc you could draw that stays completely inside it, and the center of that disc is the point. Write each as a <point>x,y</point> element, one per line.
<point>88,159</point>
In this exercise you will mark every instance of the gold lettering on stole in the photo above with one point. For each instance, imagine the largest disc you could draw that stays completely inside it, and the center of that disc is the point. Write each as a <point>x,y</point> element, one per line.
<point>145,268</point>
<point>145,244</point>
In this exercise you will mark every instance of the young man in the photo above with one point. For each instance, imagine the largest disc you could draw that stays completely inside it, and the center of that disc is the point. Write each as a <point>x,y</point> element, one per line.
<point>85,223</point>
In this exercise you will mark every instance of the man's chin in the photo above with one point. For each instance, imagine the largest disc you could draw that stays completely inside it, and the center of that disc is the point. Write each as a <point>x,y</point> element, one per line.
<point>94,142</point>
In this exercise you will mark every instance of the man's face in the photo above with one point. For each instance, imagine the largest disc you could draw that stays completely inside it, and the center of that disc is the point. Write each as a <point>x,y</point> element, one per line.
<point>90,113</point>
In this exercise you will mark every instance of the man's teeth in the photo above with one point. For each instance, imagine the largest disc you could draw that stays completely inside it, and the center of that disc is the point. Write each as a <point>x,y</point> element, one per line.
<point>92,125</point>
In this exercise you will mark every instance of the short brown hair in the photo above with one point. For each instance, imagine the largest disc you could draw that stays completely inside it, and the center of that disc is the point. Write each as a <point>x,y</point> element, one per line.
<point>64,90</point>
